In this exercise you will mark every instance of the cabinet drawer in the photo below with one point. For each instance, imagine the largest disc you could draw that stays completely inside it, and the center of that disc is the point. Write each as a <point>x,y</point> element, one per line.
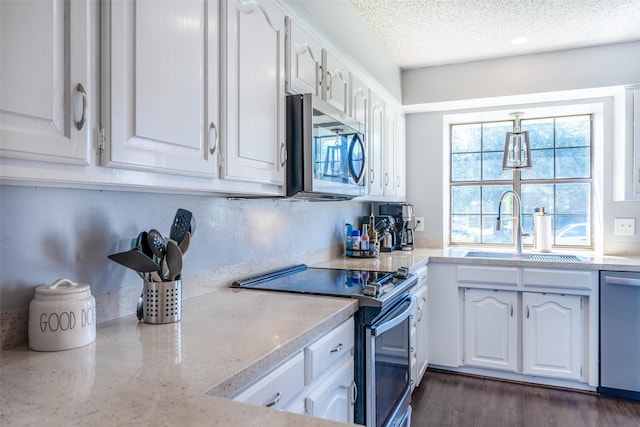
<point>492,275</point>
<point>559,278</point>
<point>328,350</point>
<point>277,387</point>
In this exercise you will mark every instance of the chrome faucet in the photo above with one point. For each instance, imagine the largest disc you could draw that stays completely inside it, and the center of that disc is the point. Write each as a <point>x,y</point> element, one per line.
<point>517,221</point>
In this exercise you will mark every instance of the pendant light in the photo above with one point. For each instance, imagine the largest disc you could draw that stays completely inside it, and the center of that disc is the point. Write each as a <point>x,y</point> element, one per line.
<point>517,152</point>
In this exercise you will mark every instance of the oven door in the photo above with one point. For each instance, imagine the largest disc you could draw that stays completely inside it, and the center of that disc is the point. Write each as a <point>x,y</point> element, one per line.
<point>388,366</point>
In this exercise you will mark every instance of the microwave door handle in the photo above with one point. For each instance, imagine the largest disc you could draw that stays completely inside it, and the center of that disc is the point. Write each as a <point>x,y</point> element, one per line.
<point>356,176</point>
<point>383,327</point>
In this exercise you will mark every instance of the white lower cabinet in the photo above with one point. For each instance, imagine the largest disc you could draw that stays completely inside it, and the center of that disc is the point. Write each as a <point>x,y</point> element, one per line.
<point>278,387</point>
<point>490,329</point>
<point>334,396</point>
<point>419,337</point>
<point>553,335</point>
<point>317,381</point>
<point>523,323</point>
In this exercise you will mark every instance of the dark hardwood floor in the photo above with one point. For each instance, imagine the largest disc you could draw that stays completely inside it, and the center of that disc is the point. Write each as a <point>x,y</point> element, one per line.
<point>446,399</point>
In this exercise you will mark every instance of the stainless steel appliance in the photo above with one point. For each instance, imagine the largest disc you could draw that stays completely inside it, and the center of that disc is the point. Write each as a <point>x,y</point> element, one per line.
<point>620,334</point>
<point>325,150</point>
<point>404,218</point>
<point>382,353</point>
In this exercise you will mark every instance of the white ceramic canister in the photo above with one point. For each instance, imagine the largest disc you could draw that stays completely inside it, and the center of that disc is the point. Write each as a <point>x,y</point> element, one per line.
<point>62,316</point>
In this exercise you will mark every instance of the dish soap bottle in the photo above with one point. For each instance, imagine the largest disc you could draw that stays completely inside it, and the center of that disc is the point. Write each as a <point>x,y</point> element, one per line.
<point>364,240</point>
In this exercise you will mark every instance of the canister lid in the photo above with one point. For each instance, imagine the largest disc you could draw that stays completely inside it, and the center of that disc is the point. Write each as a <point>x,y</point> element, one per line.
<point>62,287</point>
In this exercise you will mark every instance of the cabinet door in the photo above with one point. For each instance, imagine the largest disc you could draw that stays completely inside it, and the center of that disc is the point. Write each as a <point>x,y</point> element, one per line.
<point>334,397</point>
<point>376,144</point>
<point>359,104</point>
<point>278,387</point>
<point>400,159</point>
<point>422,334</point>
<point>46,62</point>
<point>490,329</point>
<point>553,335</point>
<point>389,147</point>
<point>254,99</point>
<point>160,108</point>
<point>303,60</point>
<point>336,83</point>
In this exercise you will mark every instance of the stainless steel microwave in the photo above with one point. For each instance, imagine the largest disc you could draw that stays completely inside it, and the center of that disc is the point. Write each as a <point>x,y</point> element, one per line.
<point>326,155</point>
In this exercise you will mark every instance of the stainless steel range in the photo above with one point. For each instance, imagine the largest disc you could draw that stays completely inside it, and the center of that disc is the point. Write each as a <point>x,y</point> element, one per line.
<point>382,353</point>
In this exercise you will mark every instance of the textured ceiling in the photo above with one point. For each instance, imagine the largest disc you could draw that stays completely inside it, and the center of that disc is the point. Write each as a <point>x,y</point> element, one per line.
<point>421,33</point>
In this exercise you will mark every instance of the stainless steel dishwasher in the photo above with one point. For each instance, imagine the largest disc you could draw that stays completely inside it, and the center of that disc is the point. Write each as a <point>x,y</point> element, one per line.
<point>620,334</point>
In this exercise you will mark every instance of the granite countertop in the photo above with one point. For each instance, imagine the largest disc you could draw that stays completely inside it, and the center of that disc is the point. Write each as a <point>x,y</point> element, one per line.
<point>141,374</point>
<point>391,261</point>
<point>387,261</point>
<point>588,260</point>
<point>184,372</point>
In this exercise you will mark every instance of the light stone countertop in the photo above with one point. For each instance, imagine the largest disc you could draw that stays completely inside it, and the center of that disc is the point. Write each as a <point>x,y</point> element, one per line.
<point>183,372</point>
<point>391,261</point>
<point>141,374</point>
<point>387,261</point>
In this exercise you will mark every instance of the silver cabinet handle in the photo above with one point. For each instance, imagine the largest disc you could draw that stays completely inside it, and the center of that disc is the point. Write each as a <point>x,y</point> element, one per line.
<point>386,179</point>
<point>372,175</point>
<point>354,393</point>
<point>83,93</point>
<point>321,74</point>
<point>329,80</point>
<point>398,180</point>
<point>212,127</point>
<point>337,348</point>
<point>275,400</point>
<point>283,154</point>
<point>419,314</point>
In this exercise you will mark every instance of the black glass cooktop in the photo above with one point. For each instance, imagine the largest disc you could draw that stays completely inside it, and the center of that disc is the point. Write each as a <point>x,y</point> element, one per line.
<point>321,281</point>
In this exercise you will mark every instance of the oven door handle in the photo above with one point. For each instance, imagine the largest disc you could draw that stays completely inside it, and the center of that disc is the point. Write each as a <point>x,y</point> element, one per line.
<point>393,318</point>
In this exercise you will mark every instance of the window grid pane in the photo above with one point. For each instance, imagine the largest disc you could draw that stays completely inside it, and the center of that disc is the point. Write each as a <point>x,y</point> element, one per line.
<point>560,180</point>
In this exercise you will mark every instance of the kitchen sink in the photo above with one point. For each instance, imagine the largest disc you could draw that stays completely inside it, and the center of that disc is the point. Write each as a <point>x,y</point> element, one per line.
<point>526,256</point>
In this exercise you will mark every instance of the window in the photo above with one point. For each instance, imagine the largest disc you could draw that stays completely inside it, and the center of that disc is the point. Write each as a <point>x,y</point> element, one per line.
<point>560,180</point>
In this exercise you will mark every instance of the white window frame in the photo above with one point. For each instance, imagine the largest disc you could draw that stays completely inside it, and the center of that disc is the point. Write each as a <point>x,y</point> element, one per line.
<point>574,107</point>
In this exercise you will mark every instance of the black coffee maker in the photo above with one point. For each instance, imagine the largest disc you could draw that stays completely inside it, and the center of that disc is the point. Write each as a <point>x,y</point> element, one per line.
<point>404,223</point>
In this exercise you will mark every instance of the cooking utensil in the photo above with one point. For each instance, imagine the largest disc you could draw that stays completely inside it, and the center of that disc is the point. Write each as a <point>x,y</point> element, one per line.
<point>181,225</point>
<point>140,307</point>
<point>184,245</point>
<point>156,243</point>
<point>144,245</point>
<point>135,260</point>
<point>173,261</point>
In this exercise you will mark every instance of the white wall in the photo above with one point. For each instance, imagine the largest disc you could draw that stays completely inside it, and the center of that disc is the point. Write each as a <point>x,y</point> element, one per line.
<point>48,233</point>
<point>559,84</point>
<point>601,66</point>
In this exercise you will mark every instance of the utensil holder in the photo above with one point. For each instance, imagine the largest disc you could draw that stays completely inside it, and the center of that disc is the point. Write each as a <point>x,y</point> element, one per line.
<point>162,302</point>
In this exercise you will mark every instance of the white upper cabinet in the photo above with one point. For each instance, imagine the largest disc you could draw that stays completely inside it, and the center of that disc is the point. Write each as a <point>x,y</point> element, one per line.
<point>336,82</point>
<point>359,103</point>
<point>45,108</point>
<point>390,136</point>
<point>375,138</point>
<point>400,159</point>
<point>303,60</point>
<point>254,95</point>
<point>160,85</point>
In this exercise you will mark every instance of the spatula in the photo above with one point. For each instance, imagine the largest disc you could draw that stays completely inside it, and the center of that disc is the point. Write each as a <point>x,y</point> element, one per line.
<point>135,260</point>
<point>181,225</point>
